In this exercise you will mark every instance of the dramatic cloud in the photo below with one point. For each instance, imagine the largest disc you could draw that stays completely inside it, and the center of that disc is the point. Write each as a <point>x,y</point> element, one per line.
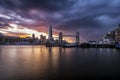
<point>92,18</point>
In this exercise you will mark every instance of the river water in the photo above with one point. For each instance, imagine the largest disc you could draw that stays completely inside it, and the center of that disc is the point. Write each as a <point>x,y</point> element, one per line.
<point>42,63</point>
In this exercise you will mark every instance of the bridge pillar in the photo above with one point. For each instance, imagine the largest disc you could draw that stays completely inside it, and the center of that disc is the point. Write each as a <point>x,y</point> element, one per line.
<point>60,37</point>
<point>77,37</point>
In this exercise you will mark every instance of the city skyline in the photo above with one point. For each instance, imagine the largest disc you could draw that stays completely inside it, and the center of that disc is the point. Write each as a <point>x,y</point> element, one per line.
<point>91,18</point>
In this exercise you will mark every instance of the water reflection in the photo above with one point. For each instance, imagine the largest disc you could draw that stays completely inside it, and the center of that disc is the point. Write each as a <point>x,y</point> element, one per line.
<point>39,62</point>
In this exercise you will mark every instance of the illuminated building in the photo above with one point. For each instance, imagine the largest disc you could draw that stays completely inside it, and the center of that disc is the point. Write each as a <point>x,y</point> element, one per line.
<point>109,38</point>
<point>117,34</point>
<point>113,36</point>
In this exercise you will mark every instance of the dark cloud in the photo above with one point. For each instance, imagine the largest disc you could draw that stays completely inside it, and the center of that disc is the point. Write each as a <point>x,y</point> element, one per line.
<point>3,25</point>
<point>87,22</point>
<point>49,5</point>
<point>97,17</point>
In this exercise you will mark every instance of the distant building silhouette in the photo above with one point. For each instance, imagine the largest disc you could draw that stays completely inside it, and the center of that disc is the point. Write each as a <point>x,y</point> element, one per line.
<point>43,39</point>
<point>18,40</point>
<point>33,36</point>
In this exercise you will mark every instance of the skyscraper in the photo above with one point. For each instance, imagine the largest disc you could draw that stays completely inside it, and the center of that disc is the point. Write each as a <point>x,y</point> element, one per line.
<point>50,38</point>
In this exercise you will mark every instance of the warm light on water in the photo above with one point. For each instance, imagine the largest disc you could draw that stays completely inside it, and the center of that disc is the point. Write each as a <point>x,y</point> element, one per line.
<point>39,62</point>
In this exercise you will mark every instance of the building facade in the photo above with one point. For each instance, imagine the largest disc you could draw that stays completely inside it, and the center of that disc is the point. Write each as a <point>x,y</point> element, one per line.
<point>117,34</point>
<point>109,38</point>
<point>12,40</point>
<point>43,39</point>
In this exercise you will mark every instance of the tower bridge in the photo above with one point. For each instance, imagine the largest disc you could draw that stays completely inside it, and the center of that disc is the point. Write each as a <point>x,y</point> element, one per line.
<point>69,35</point>
<point>61,35</point>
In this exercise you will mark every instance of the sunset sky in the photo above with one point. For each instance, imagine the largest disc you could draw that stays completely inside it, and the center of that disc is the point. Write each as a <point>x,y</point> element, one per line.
<point>92,18</point>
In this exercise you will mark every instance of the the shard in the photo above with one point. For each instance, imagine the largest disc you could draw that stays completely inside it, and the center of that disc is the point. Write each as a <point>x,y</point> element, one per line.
<point>50,33</point>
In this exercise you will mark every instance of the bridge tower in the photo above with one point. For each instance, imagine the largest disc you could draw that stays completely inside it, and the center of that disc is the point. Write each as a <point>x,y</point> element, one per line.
<point>77,38</point>
<point>60,37</point>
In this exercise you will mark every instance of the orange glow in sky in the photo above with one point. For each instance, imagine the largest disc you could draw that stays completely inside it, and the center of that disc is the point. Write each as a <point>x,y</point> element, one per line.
<point>16,30</point>
<point>19,31</point>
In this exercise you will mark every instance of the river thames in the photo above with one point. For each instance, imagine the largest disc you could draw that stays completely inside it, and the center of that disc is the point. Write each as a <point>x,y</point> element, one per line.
<point>43,63</point>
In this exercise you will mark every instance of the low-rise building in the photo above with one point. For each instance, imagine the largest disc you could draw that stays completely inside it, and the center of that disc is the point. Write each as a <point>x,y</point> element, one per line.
<point>109,38</point>
<point>16,40</point>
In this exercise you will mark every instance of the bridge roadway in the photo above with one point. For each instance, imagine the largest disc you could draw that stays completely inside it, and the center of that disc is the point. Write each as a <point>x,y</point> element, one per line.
<point>66,36</point>
<point>69,35</point>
